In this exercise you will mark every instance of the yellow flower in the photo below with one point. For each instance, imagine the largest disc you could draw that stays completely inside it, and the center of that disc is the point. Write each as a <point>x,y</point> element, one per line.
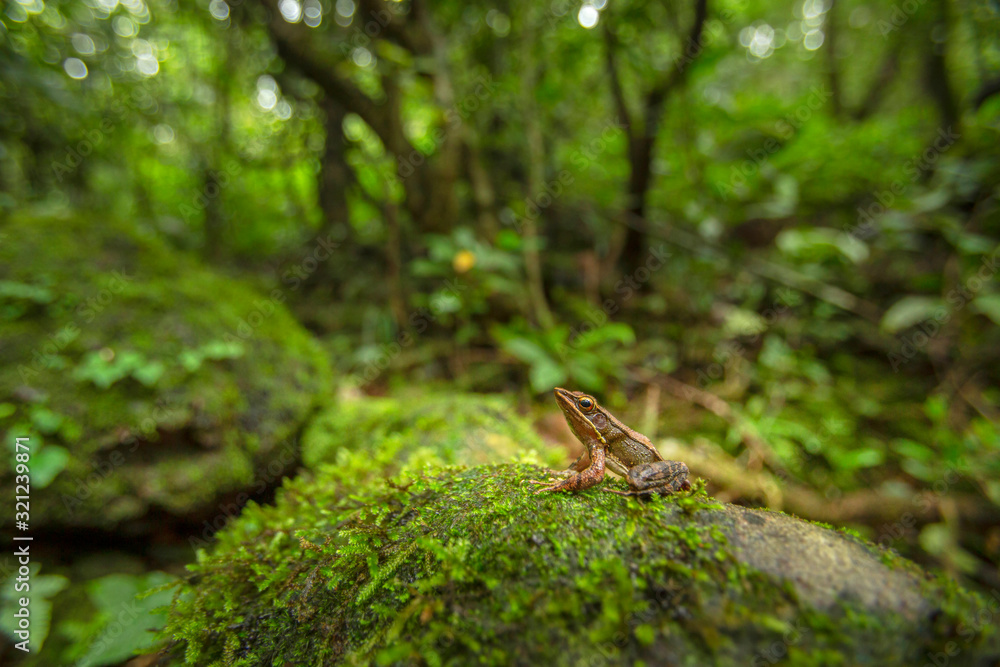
<point>463,261</point>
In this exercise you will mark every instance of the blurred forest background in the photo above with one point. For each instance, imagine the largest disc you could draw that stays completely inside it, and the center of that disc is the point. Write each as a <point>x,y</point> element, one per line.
<point>767,229</point>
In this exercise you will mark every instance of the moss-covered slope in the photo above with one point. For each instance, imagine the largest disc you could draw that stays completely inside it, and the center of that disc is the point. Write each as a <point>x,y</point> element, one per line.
<point>146,381</point>
<point>466,566</point>
<point>421,427</point>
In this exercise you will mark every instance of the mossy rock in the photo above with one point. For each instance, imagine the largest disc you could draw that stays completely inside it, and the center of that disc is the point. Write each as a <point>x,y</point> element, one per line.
<point>417,428</point>
<point>148,384</point>
<point>465,566</point>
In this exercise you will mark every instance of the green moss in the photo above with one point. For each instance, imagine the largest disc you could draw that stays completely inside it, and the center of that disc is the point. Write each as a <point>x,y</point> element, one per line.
<point>147,380</point>
<point>467,565</point>
<point>379,435</point>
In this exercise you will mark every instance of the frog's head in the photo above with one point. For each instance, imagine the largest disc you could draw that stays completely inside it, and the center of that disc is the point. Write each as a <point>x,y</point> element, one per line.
<point>583,414</point>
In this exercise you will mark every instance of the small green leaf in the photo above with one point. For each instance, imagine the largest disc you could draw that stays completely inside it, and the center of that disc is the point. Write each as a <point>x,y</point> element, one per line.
<point>584,372</point>
<point>526,350</point>
<point>191,360</point>
<point>909,311</point>
<point>935,538</point>
<point>218,349</point>
<point>645,634</point>
<point>44,587</point>
<point>936,408</point>
<point>545,375</point>
<point>47,462</point>
<point>988,305</point>
<point>46,421</point>
<point>150,373</point>
<point>128,615</point>
<point>615,331</point>
<point>863,458</point>
<point>821,242</point>
<point>913,450</point>
<point>15,290</point>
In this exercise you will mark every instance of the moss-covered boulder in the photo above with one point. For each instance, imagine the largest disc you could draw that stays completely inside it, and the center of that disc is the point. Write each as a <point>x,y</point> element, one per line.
<point>466,566</point>
<point>147,383</point>
<point>414,428</point>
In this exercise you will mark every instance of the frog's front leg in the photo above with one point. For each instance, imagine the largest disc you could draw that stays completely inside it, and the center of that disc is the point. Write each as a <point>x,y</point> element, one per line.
<point>591,475</point>
<point>656,477</point>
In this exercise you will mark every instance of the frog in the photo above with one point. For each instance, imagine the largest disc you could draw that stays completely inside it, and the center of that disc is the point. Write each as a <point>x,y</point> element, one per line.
<point>611,445</point>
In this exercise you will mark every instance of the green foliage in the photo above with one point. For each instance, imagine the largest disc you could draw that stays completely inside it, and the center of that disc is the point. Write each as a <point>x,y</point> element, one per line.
<point>105,369</point>
<point>819,244</point>
<point>14,291</point>
<point>138,346</point>
<point>127,608</point>
<point>586,359</point>
<point>39,589</point>
<point>908,311</point>
<point>98,619</point>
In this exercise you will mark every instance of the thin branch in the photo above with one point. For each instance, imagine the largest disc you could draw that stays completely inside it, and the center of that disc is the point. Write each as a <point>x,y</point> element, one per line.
<point>692,50</point>
<point>535,145</point>
<point>616,85</point>
<point>880,84</point>
<point>832,28</point>
<point>410,32</point>
<point>292,41</point>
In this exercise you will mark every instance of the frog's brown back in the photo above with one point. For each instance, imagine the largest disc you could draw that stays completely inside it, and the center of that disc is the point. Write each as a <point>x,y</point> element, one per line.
<point>634,448</point>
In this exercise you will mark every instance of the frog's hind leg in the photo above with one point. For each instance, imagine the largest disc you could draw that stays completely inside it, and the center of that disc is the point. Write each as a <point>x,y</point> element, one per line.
<point>657,477</point>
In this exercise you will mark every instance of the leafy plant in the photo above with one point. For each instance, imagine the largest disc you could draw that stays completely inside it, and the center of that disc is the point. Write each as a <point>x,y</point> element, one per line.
<point>217,350</point>
<point>44,587</point>
<point>560,355</point>
<point>106,367</point>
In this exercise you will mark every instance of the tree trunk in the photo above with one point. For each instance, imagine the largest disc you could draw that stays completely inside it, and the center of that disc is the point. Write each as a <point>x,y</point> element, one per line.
<point>335,175</point>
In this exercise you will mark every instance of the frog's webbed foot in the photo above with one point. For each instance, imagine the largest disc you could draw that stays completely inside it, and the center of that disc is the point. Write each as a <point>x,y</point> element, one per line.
<point>549,485</point>
<point>590,476</point>
<point>665,490</point>
<point>635,492</point>
<point>574,483</point>
<point>553,476</point>
<point>623,493</point>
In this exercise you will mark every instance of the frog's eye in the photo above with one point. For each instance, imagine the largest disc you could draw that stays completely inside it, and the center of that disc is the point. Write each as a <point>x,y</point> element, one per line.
<point>586,404</point>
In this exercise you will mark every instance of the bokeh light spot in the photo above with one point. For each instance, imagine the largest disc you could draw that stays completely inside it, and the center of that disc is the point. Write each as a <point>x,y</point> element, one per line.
<point>75,68</point>
<point>219,10</point>
<point>813,40</point>
<point>588,16</point>
<point>362,57</point>
<point>291,10</point>
<point>163,134</point>
<point>83,44</point>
